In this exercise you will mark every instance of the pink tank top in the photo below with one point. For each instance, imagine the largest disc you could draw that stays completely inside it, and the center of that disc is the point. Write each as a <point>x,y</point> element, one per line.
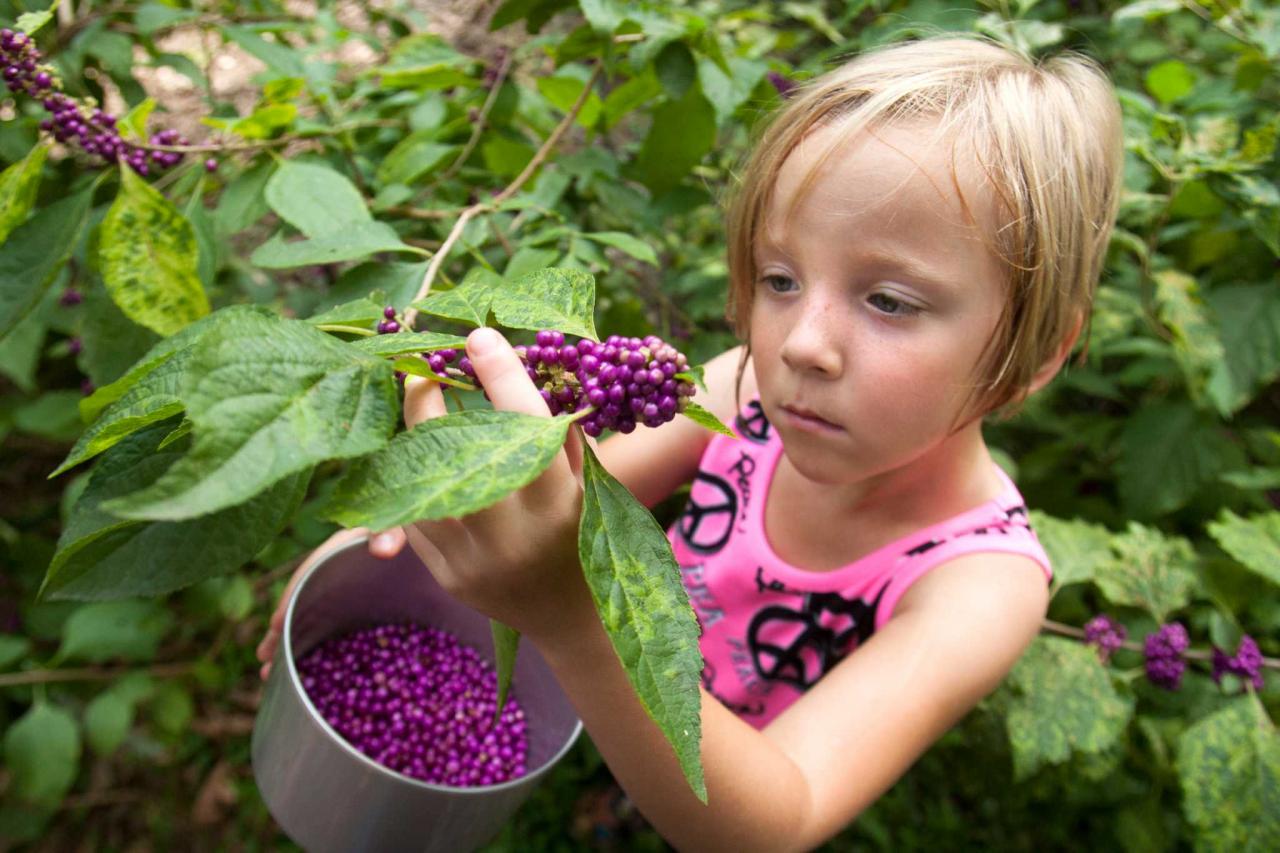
<point>770,630</point>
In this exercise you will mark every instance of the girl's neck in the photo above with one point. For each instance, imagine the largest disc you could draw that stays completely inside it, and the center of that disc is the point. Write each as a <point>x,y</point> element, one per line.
<point>948,479</point>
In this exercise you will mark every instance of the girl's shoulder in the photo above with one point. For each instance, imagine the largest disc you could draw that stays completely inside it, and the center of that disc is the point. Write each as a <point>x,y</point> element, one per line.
<point>722,396</point>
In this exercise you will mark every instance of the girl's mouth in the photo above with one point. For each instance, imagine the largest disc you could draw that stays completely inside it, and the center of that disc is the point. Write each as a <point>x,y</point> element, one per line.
<point>808,421</point>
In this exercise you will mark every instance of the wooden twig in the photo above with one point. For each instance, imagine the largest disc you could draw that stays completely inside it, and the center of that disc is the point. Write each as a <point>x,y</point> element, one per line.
<point>474,210</point>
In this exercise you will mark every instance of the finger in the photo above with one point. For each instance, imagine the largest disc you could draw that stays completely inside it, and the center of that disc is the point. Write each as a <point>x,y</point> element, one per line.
<point>265,672</point>
<point>387,544</point>
<point>423,400</point>
<point>267,648</point>
<point>503,375</point>
<point>277,618</point>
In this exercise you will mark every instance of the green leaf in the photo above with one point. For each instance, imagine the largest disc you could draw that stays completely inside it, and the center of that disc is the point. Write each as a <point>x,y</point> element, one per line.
<point>1253,542</point>
<point>18,186</point>
<point>529,259</point>
<point>1063,703</point>
<point>154,398</point>
<point>1195,340</point>
<point>675,68</point>
<point>446,467</point>
<point>29,22</point>
<point>1249,320</point>
<point>12,649</point>
<point>243,201</point>
<point>149,260</point>
<point>134,122</point>
<point>107,720</point>
<point>103,556</point>
<point>727,92</point>
<point>1146,9</point>
<point>172,708</point>
<point>95,403</point>
<point>1229,767</point>
<point>562,299</point>
<point>283,60</point>
<point>603,15</point>
<point>406,342</point>
<point>1149,570</point>
<point>267,398</point>
<point>358,240</point>
<point>363,312</point>
<point>20,353</point>
<point>681,133</point>
<point>414,158</point>
<point>630,96</point>
<point>315,199</point>
<point>106,630</point>
<point>1167,451</point>
<point>34,253</point>
<point>705,418</point>
<point>1076,548</point>
<point>1170,81</point>
<point>638,592</point>
<point>506,643</point>
<point>399,282</point>
<point>467,303</point>
<point>42,751</point>
<point>633,246</point>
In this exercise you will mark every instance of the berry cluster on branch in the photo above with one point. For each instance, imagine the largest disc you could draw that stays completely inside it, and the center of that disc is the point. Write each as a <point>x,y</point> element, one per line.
<point>81,124</point>
<point>1165,653</point>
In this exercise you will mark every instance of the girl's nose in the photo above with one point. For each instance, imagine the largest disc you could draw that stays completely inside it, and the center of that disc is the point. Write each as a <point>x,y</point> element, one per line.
<point>812,344</point>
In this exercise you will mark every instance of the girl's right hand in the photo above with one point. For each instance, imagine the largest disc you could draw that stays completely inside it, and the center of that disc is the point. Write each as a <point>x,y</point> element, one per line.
<point>384,545</point>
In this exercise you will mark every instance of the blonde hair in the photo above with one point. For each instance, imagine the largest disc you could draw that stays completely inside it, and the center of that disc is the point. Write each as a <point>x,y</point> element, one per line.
<point>1048,137</point>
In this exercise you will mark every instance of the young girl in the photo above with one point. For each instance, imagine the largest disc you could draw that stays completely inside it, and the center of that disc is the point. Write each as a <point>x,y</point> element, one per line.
<point>914,245</point>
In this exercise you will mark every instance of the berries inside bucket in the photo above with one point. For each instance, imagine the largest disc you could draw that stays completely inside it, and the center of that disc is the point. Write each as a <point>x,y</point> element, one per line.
<point>416,700</point>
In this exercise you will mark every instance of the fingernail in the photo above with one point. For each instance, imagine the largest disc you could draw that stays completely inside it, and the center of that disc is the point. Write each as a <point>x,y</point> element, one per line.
<point>483,341</point>
<point>383,540</point>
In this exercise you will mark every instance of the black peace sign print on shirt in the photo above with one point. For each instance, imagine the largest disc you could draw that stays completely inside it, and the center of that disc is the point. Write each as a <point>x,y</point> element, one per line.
<point>754,425</point>
<point>824,629</point>
<point>708,516</point>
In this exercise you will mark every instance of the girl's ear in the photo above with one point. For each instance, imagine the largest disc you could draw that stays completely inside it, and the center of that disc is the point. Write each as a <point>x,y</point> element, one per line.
<point>1054,363</point>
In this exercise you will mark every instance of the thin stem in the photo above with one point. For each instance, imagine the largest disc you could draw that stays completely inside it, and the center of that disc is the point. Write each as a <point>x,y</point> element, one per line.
<point>481,121</point>
<point>350,330</point>
<point>49,676</point>
<point>514,187</point>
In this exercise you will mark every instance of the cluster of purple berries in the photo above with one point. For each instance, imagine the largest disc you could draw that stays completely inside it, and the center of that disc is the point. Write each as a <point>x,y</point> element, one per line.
<point>1105,633</point>
<point>1163,651</point>
<point>93,130</point>
<point>1245,663</point>
<point>626,381</point>
<point>20,59</point>
<point>417,701</point>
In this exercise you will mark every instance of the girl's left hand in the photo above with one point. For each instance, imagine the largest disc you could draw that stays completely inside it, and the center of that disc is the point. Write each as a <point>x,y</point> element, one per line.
<point>516,561</point>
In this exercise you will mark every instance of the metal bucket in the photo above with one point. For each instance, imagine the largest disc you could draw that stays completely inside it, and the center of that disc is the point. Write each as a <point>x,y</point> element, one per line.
<point>329,797</point>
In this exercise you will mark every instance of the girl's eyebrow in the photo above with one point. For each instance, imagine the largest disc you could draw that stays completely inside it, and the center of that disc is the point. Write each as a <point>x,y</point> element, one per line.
<point>921,273</point>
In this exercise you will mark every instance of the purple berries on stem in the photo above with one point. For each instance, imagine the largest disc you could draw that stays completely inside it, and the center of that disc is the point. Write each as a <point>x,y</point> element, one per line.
<point>1246,663</point>
<point>1163,651</point>
<point>1105,633</point>
<point>417,701</point>
<point>72,122</point>
<point>625,381</point>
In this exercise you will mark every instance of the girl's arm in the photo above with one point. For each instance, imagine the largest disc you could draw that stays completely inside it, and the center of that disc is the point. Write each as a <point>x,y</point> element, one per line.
<point>955,635</point>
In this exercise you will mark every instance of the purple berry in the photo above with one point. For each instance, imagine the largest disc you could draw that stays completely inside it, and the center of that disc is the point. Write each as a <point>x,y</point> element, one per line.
<point>1163,652</point>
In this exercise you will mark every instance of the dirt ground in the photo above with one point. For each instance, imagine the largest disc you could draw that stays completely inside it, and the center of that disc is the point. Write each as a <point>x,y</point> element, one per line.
<point>230,70</point>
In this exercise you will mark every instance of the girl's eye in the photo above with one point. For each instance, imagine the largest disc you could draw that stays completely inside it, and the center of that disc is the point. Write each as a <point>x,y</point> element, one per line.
<point>778,283</point>
<point>886,304</point>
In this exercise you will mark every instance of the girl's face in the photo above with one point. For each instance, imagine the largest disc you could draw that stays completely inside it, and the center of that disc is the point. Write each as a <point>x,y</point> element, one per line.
<point>875,296</point>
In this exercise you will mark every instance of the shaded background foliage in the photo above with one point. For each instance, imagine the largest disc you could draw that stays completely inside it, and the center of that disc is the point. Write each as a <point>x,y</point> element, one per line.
<point>1153,462</point>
